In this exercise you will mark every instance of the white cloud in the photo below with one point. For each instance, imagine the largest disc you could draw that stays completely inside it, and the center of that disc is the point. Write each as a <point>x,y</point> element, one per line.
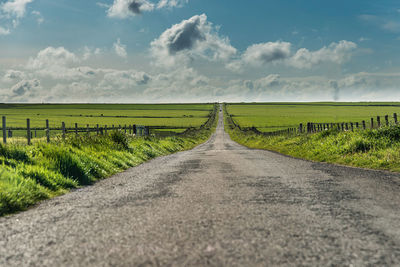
<point>123,9</point>
<point>120,49</point>
<point>13,75</point>
<point>260,54</point>
<point>52,56</point>
<point>90,51</point>
<point>335,53</point>
<point>195,37</point>
<point>126,78</point>
<point>11,12</point>
<point>39,17</point>
<point>280,53</point>
<point>4,31</point>
<point>385,24</point>
<point>171,3</point>
<point>15,8</point>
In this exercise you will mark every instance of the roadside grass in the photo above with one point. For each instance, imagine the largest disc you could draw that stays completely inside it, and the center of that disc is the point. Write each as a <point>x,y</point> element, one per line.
<point>374,149</point>
<point>29,174</point>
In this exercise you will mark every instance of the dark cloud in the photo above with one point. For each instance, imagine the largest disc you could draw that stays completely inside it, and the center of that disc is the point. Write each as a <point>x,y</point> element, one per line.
<point>144,79</point>
<point>134,7</point>
<point>23,87</point>
<point>276,54</point>
<point>185,37</point>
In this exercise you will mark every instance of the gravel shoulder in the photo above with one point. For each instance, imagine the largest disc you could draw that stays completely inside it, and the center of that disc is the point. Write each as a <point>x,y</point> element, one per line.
<point>218,204</point>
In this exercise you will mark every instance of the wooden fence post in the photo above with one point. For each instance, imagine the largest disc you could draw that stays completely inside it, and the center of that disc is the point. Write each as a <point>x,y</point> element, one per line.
<point>87,129</point>
<point>134,129</point>
<point>300,128</point>
<point>347,126</point>
<point>97,129</point>
<point>357,125</point>
<point>28,130</point>
<point>125,128</point>
<point>4,130</point>
<point>372,123</point>
<point>363,124</point>
<point>395,117</point>
<point>387,120</point>
<point>76,129</point>
<point>351,127</point>
<point>378,121</point>
<point>47,131</point>
<point>63,129</point>
<point>35,133</point>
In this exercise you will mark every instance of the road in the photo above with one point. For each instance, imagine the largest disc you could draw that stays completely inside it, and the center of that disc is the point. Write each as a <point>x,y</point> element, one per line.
<point>220,204</point>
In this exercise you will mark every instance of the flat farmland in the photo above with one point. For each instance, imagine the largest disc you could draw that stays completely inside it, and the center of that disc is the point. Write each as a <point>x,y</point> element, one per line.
<point>274,116</point>
<point>169,115</point>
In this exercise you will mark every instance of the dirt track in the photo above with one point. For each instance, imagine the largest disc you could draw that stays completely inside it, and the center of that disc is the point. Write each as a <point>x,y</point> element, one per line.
<point>219,204</point>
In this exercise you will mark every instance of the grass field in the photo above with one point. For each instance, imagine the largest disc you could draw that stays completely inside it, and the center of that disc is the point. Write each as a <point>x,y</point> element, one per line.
<point>377,148</point>
<point>30,173</point>
<point>172,115</point>
<point>275,116</point>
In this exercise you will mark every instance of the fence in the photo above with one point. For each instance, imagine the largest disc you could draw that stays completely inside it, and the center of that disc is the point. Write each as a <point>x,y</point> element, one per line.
<point>30,132</point>
<point>311,127</point>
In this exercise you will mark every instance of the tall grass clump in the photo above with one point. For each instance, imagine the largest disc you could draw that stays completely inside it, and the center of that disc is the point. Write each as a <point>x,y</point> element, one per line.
<point>29,174</point>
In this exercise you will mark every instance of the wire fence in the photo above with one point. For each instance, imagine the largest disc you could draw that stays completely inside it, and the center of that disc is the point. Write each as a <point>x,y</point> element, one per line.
<point>50,130</point>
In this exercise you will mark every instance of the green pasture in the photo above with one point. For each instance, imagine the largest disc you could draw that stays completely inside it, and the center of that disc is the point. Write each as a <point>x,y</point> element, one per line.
<point>171,115</point>
<point>275,116</point>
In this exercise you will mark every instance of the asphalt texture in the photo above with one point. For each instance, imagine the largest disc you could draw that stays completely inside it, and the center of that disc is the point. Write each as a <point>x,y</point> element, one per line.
<point>220,204</point>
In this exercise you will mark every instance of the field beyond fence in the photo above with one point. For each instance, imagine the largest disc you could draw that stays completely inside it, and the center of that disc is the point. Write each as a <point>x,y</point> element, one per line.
<point>25,123</point>
<point>273,119</point>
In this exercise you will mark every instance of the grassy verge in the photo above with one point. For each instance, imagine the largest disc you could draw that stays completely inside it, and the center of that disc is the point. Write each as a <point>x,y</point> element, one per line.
<point>374,149</point>
<point>29,174</point>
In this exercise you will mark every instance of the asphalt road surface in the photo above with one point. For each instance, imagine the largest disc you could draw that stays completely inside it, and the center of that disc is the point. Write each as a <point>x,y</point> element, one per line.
<point>220,204</point>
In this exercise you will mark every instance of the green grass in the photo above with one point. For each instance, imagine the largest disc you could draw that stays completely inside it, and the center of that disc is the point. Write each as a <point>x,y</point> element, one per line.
<point>174,115</point>
<point>374,149</point>
<point>29,174</point>
<point>275,116</point>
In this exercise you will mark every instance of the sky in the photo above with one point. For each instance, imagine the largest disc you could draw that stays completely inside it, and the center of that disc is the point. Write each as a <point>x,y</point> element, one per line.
<point>147,51</point>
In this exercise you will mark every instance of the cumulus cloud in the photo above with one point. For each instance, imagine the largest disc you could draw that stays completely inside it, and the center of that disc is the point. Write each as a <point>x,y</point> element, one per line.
<point>335,53</point>
<point>11,12</point>
<point>264,53</point>
<point>52,56</point>
<point>15,8</point>
<point>126,78</point>
<point>280,53</point>
<point>13,75</point>
<point>171,3</point>
<point>24,87</point>
<point>120,49</point>
<point>195,37</point>
<point>123,9</point>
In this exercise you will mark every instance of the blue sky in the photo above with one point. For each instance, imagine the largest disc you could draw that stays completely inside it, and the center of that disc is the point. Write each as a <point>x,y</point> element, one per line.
<point>199,50</point>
